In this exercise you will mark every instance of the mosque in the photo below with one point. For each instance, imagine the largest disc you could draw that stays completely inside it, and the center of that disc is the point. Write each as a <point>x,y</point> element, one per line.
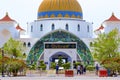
<point>59,30</point>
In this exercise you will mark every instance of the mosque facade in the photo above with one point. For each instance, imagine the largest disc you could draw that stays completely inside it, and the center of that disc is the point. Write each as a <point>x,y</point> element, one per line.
<point>59,30</point>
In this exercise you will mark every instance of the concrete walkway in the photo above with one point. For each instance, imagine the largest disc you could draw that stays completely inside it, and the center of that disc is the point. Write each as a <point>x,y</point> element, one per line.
<point>51,76</point>
<point>60,78</point>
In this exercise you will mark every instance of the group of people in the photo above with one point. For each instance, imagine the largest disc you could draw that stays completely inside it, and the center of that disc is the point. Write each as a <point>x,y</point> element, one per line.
<point>81,69</point>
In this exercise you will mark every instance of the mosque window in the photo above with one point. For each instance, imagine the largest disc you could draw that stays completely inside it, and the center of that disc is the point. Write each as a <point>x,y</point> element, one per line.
<point>88,28</point>
<point>67,27</point>
<point>29,44</point>
<point>31,28</point>
<point>53,27</point>
<point>78,27</point>
<point>24,54</point>
<point>41,27</point>
<point>24,44</point>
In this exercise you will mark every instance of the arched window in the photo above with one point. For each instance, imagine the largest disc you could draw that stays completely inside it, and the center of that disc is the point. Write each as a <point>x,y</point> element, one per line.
<point>31,28</point>
<point>88,28</point>
<point>24,54</point>
<point>67,27</point>
<point>78,27</point>
<point>29,44</point>
<point>41,27</point>
<point>53,27</point>
<point>24,44</point>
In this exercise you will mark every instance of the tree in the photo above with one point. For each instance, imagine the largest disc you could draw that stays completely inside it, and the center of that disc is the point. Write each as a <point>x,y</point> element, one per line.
<point>0,53</point>
<point>106,49</point>
<point>13,55</point>
<point>14,48</point>
<point>60,61</point>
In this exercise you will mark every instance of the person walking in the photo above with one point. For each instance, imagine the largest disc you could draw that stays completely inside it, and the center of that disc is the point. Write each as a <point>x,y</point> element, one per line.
<point>84,70</point>
<point>78,69</point>
<point>81,68</point>
<point>97,69</point>
<point>57,68</point>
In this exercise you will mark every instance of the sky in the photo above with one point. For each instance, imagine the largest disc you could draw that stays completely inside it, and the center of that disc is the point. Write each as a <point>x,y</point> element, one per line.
<point>25,11</point>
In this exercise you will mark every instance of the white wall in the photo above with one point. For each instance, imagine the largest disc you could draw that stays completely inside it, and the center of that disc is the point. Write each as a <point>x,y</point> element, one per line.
<point>49,52</point>
<point>109,26</point>
<point>60,24</point>
<point>7,30</point>
<point>27,40</point>
<point>87,41</point>
<point>10,26</point>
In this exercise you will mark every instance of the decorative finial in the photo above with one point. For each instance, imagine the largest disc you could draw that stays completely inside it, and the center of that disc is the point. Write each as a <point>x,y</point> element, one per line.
<point>6,13</point>
<point>112,13</point>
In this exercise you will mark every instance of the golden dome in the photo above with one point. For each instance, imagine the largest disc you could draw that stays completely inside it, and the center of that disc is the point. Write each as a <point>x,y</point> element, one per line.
<point>60,7</point>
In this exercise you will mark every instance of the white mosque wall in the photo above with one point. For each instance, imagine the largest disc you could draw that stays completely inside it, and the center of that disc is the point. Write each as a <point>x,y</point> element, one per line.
<point>85,30</point>
<point>49,52</point>
<point>109,26</point>
<point>3,39</point>
<point>87,41</point>
<point>10,26</point>
<point>32,41</point>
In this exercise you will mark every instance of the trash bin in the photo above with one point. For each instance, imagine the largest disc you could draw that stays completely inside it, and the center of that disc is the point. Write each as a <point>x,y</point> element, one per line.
<point>69,73</point>
<point>103,73</point>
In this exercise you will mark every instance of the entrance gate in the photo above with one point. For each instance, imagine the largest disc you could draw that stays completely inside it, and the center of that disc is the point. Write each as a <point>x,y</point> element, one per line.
<point>37,51</point>
<point>66,50</point>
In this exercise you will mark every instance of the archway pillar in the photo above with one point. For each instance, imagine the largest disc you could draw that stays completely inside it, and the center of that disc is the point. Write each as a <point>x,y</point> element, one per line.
<point>72,53</point>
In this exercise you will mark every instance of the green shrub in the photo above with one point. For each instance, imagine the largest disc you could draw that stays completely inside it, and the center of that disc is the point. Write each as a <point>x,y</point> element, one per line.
<point>42,65</point>
<point>53,65</point>
<point>90,68</point>
<point>66,65</point>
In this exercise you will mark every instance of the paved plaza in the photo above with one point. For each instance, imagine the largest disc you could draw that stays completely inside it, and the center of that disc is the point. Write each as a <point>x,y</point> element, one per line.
<point>61,78</point>
<point>88,76</point>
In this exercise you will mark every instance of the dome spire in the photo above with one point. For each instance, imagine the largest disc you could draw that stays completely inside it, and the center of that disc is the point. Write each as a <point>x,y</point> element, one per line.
<point>19,28</point>
<point>6,13</point>
<point>7,18</point>
<point>112,18</point>
<point>112,13</point>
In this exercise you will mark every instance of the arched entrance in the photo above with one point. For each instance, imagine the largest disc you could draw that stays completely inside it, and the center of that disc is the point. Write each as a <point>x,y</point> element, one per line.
<point>37,51</point>
<point>55,58</point>
<point>65,57</point>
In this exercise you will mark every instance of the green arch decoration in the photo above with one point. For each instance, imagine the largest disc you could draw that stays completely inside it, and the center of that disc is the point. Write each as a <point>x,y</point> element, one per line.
<point>55,36</point>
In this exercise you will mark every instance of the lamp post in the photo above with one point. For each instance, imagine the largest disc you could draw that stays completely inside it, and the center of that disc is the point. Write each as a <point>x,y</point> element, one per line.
<point>3,64</point>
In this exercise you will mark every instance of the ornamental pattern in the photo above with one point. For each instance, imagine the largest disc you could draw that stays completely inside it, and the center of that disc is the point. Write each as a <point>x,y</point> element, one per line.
<point>59,36</point>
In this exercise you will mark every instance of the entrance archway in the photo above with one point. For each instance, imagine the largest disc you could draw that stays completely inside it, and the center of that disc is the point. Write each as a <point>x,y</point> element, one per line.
<point>59,36</point>
<point>65,57</point>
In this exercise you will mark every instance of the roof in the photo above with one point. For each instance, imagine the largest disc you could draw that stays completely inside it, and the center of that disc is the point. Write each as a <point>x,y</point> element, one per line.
<point>100,28</point>
<point>113,18</point>
<point>7,18</point>
<point>19,28</point>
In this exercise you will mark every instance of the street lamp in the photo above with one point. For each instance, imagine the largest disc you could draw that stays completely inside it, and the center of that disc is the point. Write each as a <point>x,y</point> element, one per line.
<point>3,64</point>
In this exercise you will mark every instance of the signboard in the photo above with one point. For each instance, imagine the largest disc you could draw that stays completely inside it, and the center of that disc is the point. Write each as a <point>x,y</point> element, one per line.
<point>60,46</point>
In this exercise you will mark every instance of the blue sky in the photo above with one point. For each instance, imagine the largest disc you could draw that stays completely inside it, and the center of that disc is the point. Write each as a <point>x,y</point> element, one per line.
<point>95,11</point>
